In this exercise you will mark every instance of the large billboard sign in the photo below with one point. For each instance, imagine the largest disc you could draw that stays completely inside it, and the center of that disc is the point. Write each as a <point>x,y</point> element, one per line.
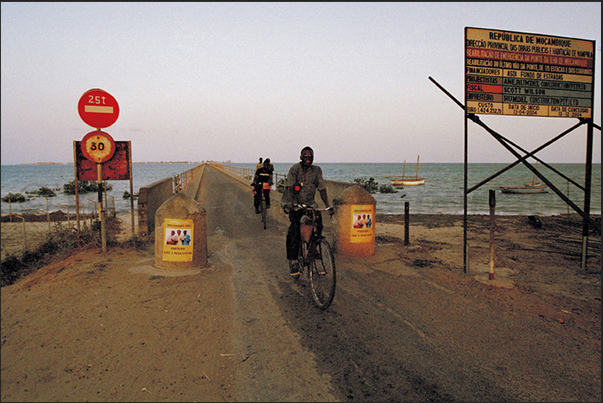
<point>522,74</point>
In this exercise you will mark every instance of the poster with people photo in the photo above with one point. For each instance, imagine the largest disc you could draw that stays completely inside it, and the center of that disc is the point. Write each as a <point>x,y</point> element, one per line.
<point>178,240</point>
<point>363,217</point>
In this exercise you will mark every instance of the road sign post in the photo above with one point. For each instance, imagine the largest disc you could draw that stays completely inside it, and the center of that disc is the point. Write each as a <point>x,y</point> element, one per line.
<point>98,109</point>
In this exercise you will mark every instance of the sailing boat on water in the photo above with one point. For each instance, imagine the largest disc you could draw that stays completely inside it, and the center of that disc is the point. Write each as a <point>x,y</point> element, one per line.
<point>407,180</point>
<point>527,188</point>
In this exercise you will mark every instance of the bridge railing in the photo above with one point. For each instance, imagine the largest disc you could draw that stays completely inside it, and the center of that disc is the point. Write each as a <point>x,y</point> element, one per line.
<point>152,196</point>
<point>334,188</point>
<point>248,173</point>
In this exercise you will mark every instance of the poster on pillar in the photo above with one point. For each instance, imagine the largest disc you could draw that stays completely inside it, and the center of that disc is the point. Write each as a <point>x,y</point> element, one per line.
<point>363,217</point>
<point>178,240</point>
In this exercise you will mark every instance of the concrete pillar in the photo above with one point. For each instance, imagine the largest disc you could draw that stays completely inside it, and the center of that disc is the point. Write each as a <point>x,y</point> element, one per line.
<point>180,234</point>
<point>355,222</point>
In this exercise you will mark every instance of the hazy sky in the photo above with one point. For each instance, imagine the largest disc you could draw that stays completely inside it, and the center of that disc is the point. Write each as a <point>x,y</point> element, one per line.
<point>235,81</point>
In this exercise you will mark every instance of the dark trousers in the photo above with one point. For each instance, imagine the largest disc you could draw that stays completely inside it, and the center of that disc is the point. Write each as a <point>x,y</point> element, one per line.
<point>293,237</point>
<point>257,197</point>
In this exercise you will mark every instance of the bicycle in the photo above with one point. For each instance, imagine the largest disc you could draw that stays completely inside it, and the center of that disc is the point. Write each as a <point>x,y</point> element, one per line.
<point>263,209</point>
<point>316,258</point>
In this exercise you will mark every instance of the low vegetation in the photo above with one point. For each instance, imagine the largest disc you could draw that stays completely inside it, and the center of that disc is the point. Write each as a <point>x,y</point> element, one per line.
<point>14,198</point>
<point>371,186</point>
<point>127,195</point>
<point>68,188</point>
<point>60,241</point>
<point>84,187</point>
<point>42,192</point>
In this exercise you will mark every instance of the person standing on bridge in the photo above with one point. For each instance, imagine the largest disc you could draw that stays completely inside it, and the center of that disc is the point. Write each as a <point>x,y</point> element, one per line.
<point>303,180</point>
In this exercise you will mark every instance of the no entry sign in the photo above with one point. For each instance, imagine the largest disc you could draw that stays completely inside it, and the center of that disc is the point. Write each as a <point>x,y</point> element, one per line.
<point>98,108</point>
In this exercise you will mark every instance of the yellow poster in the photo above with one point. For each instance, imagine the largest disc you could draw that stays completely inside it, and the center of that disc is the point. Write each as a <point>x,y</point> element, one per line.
<point>178,245</point>
<point>363,218</point>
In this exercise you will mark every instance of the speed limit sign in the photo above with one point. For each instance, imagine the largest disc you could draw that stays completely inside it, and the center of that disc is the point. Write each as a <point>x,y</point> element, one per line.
<point>98,146</point>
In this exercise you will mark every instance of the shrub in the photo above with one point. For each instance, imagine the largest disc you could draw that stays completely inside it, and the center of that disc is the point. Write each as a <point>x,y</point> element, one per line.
<point>83,187</point>
<point>12,267</point>
<point>61,239</point>
<point>127,195</point>
<point>14,197</point>
<point>369,185</point>
<point>43,192</point>
<point>387,189</point>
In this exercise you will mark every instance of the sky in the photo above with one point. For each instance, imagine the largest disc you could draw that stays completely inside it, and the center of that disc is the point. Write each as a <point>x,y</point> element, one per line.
<point>239,81</point>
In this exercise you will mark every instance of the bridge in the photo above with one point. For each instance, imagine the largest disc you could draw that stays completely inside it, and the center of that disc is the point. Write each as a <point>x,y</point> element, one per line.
<point>152,196</point>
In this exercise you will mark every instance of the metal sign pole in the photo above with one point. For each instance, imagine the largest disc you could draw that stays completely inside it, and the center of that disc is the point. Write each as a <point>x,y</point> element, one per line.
<point>101,211</point>
<point>131,186</point>
<point>76,183</point>
<point>587,185</point>
<point>465,246</point>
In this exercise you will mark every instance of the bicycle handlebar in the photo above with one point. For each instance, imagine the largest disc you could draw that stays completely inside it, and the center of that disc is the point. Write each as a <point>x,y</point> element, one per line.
<point>305,206</point>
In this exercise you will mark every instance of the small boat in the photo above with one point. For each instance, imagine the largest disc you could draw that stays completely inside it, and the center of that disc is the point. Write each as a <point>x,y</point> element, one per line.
<point>527,188</point>
<point>407,180</point>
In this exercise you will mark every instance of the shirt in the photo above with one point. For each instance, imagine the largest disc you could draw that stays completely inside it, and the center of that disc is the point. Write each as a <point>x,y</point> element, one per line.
<point>263,175</point>
<point>310,181</point>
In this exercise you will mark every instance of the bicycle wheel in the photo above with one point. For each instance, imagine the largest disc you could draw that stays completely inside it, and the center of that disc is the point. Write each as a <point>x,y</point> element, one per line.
<point>263,210</point>
<point>322,274</point>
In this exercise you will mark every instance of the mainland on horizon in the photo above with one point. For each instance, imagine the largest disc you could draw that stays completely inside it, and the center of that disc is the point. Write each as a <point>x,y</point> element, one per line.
<point>146,162</point>
<point>239,162</point>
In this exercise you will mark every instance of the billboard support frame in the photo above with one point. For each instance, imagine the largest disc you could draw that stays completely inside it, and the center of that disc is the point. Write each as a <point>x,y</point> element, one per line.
<point>585,213</point>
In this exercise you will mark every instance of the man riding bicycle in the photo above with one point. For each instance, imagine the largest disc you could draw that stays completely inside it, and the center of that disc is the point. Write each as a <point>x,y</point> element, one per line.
<point>262,175</point>
<point>303,180</point>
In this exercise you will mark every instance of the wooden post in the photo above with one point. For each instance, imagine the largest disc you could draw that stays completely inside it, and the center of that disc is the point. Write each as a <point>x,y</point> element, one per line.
<point>47,214</point>
<point>101,213</point>
<point>131,186</point>
<point>492,203</point>
<point>76,183</point>
<point>406,224</point>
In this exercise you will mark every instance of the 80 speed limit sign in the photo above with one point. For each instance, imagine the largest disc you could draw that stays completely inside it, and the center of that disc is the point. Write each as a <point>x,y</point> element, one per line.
<point>98,146</point>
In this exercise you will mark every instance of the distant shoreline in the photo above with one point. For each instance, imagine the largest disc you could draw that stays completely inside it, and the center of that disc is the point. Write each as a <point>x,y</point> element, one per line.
<point>231,162</point>
<point>133,163</point>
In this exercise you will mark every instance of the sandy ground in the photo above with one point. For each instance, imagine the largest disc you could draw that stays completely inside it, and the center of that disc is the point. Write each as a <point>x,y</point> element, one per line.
<point>118,342</point>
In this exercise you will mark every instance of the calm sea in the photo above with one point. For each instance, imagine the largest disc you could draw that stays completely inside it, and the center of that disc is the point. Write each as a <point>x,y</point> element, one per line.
<point>442,192</point>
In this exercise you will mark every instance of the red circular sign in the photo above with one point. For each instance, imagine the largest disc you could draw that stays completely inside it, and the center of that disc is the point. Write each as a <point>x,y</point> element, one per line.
<point>98,146</point>
<point>98,108</point>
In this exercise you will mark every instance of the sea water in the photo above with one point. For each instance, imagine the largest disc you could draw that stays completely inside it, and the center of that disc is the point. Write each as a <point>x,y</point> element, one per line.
<point>29,178</point>
<point>441,193</point>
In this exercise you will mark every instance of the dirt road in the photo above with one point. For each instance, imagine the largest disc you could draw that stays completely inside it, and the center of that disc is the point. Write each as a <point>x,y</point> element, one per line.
<point>406,324</point>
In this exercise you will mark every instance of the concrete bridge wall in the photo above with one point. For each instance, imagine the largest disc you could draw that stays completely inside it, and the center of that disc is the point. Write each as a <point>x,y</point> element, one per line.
<point>152,196</point>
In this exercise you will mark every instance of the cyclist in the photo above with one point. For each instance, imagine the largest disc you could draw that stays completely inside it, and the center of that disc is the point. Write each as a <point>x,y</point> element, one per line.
<point>262,175</point>
<point>303,180</point>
